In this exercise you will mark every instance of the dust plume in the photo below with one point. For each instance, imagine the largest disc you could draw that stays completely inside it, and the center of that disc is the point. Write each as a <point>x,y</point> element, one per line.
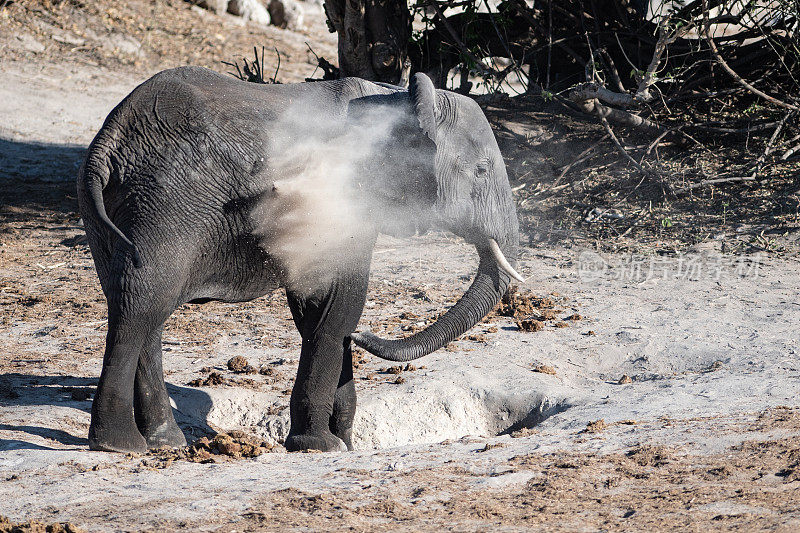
<point>333,188</point>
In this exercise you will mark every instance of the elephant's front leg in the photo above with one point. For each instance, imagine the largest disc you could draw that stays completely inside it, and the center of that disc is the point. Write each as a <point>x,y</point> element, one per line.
<point>321,406</point>
<point>344,401</point>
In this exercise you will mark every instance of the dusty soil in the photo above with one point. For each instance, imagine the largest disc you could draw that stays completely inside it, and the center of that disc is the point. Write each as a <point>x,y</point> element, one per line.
<point>646,488</point>
<point>653,391</point>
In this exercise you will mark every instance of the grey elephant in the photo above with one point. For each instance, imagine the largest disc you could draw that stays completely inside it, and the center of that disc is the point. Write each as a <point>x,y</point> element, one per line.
<point>202,187</point>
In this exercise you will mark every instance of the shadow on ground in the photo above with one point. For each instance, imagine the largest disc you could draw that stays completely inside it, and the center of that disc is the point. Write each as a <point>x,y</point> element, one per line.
<point>72,392</point>
<point>37,178</point>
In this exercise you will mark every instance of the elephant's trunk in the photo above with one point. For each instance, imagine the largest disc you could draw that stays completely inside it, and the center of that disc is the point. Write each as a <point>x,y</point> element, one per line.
<point>486,290</point>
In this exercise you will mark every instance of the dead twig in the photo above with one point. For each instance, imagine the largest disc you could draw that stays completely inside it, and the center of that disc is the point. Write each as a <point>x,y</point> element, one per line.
<point>550,42</point>
<point>713,46</point>
<point>330,71</point>
<point>277,69</point>
<point>623,151</point>
<point>612,68</point>
<point>770,143</point>
<point>715,181</point>
<point>254,71</point>
<point>709,126</point>
<point>656,141</point>
<point>583,156</point>
<point>791,151</point>
<point>486,71</point>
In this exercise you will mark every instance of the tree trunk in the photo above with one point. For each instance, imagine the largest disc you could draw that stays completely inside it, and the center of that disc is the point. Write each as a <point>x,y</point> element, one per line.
<point>373,37</point>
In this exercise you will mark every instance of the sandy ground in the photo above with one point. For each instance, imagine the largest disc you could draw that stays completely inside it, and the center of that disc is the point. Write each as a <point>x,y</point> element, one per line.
<point>668,403</point>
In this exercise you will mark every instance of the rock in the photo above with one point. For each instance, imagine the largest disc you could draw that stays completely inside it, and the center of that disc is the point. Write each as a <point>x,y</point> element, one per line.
<point>26,41</point>
<point>217,6</point>
<point>545,369</point>
<point>124,44</point>
<point>250,10</point>
<point>286,14</point>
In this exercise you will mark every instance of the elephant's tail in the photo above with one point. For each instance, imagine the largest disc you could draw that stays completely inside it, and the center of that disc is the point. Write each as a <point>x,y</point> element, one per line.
<point>92,178</point>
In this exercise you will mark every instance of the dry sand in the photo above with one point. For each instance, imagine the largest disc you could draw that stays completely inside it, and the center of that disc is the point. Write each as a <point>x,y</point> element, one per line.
<point>499,430</point>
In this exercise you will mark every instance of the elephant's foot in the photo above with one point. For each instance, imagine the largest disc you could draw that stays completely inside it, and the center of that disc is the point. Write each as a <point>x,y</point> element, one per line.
<point>118,439</point>
<point>167,434</point>
<point>347,437</point>
<point>324,441</point>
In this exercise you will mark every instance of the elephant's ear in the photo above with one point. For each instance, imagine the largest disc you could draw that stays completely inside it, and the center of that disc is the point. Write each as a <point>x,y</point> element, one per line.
<point>423,100</point>
<point>400,171</point>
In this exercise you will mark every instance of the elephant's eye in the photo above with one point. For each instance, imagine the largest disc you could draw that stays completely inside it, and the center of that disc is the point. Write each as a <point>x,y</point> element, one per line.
<point>482,170</point>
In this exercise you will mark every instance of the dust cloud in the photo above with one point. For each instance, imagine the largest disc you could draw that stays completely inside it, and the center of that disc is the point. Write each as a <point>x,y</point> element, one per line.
<point>334,186</point>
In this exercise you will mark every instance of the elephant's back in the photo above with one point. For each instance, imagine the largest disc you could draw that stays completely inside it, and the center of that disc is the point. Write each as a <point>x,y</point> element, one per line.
<point>190,128</point>
<point>194,149</point>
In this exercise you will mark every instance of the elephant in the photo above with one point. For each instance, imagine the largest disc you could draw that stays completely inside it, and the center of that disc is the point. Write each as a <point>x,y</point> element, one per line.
<point>197,189</point>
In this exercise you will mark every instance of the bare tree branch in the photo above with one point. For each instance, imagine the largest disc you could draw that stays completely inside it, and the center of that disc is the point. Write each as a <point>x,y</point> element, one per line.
<point>715,181</point>
<point>623,151</point>
<point>665,38</point>
<point>592,106</point>
<point>461,46</point>
<point>730,71</point>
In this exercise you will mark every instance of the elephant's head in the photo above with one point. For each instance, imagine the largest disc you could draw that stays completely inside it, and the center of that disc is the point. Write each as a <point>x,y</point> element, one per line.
<point>456,181</point>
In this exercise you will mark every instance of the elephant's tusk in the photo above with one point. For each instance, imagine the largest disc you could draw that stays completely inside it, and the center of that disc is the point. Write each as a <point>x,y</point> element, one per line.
<point>502,262</point>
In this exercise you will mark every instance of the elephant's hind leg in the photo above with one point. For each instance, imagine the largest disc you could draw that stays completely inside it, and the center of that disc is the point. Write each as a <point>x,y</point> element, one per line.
<point>113,427</point>
<point>136,311</point>
<point>151,407</point>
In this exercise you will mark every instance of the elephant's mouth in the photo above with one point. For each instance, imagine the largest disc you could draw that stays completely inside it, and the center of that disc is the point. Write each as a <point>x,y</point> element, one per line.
<point>490,283</point>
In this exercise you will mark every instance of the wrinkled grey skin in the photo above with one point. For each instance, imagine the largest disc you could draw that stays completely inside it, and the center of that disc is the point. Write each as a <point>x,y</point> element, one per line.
<point>167,194</point>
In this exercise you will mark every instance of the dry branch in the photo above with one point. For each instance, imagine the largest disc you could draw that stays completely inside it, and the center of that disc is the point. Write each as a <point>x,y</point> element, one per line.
<point>623,151</point>
<point>591,91</point>
<point>716,181</point>
<point>592,106</point>
<point>791,151</point>
<point>461,46</point>
<point>713,46</point>
<point>665,38</point>
<point>770,143</point>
